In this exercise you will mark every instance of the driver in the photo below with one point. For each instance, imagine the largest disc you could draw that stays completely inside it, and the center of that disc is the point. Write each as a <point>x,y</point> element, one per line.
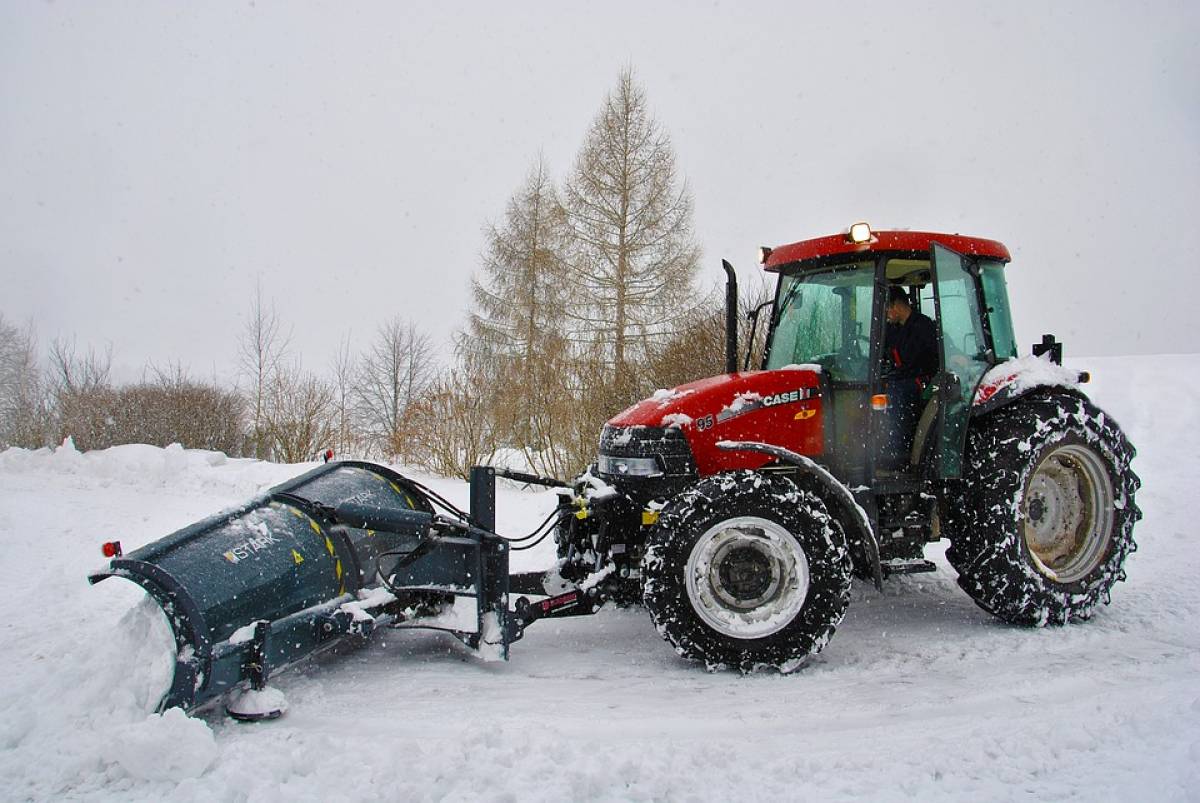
<point>911,355</point>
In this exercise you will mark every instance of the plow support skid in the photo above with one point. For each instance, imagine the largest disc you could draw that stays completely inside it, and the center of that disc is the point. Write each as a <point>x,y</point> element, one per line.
<point>336,552</point>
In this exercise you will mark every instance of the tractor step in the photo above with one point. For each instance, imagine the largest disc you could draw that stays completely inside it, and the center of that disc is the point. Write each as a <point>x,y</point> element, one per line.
<point>908,567</point>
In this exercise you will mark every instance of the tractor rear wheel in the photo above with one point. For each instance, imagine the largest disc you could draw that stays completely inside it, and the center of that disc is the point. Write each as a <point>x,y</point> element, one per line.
<point>747,571</point>
<point>1041,530</point>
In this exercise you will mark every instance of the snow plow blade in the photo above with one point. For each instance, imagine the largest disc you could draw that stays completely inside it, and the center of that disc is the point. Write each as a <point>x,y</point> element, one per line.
<point>329,555</point>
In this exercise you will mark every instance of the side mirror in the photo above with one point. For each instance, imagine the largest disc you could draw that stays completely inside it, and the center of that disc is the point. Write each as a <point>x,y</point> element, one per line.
<point>1049,346</point>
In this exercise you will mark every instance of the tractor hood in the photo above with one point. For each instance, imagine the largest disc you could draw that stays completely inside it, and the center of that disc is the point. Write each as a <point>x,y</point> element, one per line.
<point>780,407</point>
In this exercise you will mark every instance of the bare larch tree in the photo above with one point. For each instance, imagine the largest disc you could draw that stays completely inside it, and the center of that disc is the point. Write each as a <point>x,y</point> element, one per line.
<point>631,224</point>
<point>520,300</point>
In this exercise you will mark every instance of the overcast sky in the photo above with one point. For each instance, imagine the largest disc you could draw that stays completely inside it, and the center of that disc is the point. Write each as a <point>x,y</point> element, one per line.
<point>157,159</point>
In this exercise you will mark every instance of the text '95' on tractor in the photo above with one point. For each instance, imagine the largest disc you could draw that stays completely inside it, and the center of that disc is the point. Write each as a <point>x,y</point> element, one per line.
<point>737,508</point>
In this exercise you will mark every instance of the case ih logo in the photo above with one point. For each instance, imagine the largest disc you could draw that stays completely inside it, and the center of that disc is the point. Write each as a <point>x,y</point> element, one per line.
<point>749,402</point>
<point>250,547</point>
<point>784,398</point>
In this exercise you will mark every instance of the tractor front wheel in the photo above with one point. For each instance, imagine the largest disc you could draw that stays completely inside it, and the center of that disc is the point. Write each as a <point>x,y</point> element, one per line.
<point>1044,522</point>
<point>747,571</point>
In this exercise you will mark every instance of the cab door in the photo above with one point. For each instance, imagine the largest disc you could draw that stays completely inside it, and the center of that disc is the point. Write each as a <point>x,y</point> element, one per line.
<point>965,354</point>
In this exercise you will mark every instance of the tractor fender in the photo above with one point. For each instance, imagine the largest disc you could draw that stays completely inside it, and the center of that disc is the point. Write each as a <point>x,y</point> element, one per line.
<point>835,493</point>
<point>1014,379</point>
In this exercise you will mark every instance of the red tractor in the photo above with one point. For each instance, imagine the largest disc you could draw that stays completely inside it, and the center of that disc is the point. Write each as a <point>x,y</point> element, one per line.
<point>739,507</point>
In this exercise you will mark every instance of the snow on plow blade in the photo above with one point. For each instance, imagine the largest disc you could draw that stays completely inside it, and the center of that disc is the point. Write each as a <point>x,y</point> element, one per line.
<point>333,553</point>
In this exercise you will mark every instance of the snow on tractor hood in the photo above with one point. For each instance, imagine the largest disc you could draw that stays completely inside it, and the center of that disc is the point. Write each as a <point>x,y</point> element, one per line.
<point>782,407</point>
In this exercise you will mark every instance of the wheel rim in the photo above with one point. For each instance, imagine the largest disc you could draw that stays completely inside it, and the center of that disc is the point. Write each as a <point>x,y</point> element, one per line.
<point>1068,513</point>
<point>747,577</point>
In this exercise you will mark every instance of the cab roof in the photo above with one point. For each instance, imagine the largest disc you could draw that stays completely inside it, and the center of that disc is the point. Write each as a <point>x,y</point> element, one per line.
<point>907,241</point>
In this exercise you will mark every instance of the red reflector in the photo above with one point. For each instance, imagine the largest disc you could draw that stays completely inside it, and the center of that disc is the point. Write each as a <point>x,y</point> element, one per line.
<point>111,549</point>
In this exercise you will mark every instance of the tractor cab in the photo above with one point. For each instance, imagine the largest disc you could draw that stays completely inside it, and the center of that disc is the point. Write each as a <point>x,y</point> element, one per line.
<point>829,311</point>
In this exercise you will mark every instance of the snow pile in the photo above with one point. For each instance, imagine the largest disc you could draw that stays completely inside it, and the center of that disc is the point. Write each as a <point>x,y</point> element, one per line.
<point>170,747</point>
<point>87,696</point>
<point>1025,373</point>
<point>918,695</point>
<point>143,655</point>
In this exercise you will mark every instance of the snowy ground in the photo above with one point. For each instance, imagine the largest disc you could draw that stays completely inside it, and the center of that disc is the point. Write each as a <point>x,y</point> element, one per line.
<point>919,695</point>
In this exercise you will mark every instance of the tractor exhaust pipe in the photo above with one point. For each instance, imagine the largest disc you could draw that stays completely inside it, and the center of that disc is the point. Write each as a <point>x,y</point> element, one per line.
<point>731,318</point>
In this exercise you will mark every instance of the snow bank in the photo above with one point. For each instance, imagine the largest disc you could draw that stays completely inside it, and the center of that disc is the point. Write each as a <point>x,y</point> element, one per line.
<point>142,465</point>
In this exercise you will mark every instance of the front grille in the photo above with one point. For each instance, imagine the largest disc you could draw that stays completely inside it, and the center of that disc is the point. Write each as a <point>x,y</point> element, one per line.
<point>667,444</point>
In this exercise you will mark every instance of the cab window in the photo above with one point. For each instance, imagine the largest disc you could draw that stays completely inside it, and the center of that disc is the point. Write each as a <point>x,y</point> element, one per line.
<point>824,317</point>
<point>995,294</point>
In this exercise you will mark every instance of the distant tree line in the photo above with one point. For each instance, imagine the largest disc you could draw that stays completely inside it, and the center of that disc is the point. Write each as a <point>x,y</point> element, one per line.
<point>73,396</point>
<point>585,302</point>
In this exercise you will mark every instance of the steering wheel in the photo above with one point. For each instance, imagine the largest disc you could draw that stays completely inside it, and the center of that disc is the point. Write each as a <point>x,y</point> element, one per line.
<point>854,353</point>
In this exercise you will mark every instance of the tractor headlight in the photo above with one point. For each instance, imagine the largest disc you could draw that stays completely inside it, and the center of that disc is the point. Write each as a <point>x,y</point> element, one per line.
<point>630,466</point>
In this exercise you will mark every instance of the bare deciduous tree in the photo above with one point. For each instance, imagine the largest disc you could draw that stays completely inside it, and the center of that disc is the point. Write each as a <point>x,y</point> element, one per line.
<point>166,407</point>
<point>170,407</point>
<point>452,425</point>
<point>300,419</point>
<point>697,347</point>
<point>632,233</point>
<point>260,353</point>
<point>78,373</point>
<point>571,402</point>
<point>392,376</point>
<point>23,412</point>
<point>345,366</point>
<point>81,392</point>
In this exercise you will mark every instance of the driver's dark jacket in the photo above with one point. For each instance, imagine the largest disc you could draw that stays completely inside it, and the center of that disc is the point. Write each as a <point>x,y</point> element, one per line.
<point>910,349</point>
